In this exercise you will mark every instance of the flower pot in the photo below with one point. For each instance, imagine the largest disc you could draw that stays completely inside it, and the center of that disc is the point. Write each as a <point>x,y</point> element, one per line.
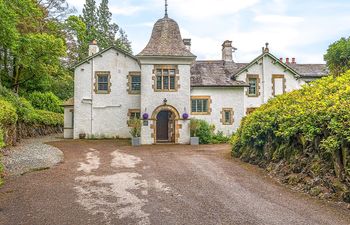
<point>194,140</point>
<point>135,141</point>
<point>82,136</point>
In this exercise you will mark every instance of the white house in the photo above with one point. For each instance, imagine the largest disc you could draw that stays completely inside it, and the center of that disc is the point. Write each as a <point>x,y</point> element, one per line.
<point>164,83</point>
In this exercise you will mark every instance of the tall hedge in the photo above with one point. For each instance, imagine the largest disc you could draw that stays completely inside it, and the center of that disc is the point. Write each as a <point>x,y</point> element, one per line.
<point>8,119</point>
<point>311,123</point>
<point>46,101</point>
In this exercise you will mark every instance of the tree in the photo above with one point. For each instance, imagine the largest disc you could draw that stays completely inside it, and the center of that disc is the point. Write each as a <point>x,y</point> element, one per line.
<point>76,40</point>
<point>56,9</point>
<point>90,19</point>
<point>123,41</point>
<point>338,56</point>
<point>107,30</point>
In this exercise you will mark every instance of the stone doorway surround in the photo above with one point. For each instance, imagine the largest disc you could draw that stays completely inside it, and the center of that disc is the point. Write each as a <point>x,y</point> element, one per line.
<point>173,126</point>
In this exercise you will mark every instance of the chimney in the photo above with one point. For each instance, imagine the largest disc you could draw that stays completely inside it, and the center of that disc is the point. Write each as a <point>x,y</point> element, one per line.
<point>93,48</point>
<point>227,51</point>
<point>293,61</point>
<point>187,43</point>
<point>287,60</point>
<point>281,60</point>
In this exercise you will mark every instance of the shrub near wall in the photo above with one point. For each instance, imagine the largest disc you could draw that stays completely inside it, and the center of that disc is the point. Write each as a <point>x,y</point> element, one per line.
<point>303,136</point>
<point>31,122</point>
<point>46,101</point>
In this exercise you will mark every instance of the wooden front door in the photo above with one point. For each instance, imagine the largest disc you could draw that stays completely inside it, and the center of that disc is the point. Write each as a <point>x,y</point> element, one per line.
<point>162,126</point>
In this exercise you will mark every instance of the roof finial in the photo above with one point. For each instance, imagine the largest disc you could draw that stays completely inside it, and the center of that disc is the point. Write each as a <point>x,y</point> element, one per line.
<point>166,8</point>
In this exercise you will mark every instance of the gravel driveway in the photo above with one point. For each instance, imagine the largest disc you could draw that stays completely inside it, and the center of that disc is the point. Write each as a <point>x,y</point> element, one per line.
<point>105,182</point>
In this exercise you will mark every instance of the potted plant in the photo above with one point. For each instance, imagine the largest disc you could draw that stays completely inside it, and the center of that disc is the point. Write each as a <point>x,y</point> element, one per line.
<point>194,125</point>
<point>135,131</point>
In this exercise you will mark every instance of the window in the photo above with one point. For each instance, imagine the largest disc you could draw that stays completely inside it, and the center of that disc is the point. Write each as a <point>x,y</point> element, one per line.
<point>252,86</point>
<point>134,82</point>
<point>250,110</point>
<point>102,84</point>
<point>134,113</point>
<point>278,85</point>
<point>253,89</point>
<point>166,78</point>
<point>200,105</point>
<point>227,116</point>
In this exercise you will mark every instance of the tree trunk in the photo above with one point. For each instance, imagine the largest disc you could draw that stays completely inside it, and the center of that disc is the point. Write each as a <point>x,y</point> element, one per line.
<point>16,73</point>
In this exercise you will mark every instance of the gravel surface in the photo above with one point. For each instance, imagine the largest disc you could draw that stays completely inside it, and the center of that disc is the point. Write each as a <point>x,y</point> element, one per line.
<point>31,155</point>
<point>108,182</point>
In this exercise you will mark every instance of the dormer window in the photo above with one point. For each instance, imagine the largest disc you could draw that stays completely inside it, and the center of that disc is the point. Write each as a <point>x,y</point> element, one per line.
<point>166,79</point>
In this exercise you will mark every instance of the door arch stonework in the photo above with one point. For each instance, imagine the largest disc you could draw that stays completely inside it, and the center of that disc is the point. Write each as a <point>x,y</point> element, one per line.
<point>174,112</point>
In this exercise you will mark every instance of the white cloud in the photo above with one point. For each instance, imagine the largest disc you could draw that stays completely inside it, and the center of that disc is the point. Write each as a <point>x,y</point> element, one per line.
<point>125,10</point>
<point>206,9</point>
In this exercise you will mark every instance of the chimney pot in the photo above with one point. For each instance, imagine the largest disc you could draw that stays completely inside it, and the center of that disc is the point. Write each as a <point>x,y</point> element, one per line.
<point>293,61</point>
<point>281,59</point>
<point>287,60</point>
<point>227,51</point>
<point>93,48</point>
<point>187,43</point>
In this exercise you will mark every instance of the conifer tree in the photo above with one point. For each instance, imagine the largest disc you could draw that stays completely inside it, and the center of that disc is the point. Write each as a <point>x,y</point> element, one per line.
<point>107,30</point>
<point>90,19</point>
<point>123,41</point>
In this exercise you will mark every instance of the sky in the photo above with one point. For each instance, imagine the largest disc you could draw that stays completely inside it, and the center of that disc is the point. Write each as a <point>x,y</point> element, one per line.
<point>294,28</point>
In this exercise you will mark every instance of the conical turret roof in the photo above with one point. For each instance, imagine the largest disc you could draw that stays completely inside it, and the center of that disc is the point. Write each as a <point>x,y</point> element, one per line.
<point>166,40</point>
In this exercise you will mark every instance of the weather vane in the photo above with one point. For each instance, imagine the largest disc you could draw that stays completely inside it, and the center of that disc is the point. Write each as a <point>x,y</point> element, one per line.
<point>166,8</point>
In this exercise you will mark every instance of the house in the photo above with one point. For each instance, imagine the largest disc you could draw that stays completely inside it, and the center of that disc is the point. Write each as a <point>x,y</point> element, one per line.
<point>164,85</point>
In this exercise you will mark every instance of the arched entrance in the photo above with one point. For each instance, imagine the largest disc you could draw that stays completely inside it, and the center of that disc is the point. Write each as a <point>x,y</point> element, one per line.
<point>165,124</point>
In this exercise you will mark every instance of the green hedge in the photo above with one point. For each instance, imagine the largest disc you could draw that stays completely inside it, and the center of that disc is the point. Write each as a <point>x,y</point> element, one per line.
<point>206,132</point>
<point>46,101</point>
<point>313,122</point>
<point>8,118</point>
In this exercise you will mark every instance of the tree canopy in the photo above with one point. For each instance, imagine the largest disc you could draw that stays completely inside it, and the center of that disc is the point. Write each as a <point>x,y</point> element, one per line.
<point>338,56</point>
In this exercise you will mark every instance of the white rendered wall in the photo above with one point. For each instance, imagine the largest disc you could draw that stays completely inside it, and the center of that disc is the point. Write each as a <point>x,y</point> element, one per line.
<point>150,99</point>
<point>266,68</point>
<point>107,116</point>
<point>222,98</point>
<point>68,122</point>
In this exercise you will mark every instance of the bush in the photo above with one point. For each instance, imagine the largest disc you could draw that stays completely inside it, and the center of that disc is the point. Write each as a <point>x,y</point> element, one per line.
<point>46,101</point>
<point>205,132</point>
<point>220,138</point>
<point>313,122</point>
<point>8,119</point>
<point>135,127</point>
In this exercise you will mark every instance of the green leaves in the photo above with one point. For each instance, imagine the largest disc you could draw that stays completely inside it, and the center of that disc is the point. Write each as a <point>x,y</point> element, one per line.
<point>315,118</point>
<point>46,101</point>
<point>338,56</point>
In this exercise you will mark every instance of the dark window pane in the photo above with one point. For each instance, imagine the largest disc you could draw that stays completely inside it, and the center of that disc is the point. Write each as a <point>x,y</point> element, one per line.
<point>172,83</point>
<point>134,115</point>
<point>227,117</point>
<point>159,82</point>
<point>252,86</point>
<point>165,83</point>
<point>193,106</point>
<point>136,83</point>
<point>102,78</point>
<point>103,87</point>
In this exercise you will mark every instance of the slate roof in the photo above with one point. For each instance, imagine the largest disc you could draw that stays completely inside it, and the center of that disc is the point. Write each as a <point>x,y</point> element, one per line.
<point>310,70</point>
<point>166,40</point>
<point>217,73</point>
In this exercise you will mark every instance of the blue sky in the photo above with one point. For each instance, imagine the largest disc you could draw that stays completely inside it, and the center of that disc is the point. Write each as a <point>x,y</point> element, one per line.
<point>294,28</point>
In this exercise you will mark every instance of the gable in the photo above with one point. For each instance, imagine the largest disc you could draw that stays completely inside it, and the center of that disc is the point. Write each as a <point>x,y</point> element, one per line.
<point>101,53</point>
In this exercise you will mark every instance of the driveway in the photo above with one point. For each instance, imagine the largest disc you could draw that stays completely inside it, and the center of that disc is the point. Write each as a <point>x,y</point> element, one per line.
<point>108,182</point>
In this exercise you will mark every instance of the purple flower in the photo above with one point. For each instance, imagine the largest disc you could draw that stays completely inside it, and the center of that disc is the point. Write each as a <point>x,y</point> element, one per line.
<point>145,116</point>
<point>185,116</point>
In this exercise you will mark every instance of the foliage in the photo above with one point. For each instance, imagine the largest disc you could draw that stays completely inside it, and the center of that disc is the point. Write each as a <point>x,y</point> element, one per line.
<point>90,19</point>
<point>194,125</point>
<point>220,138</point>
<point>46,101</point>
<point>338,56</point>
<point>123,41</point>
<point>135,127</point>
<point>311,122</point>
<point>106,29</point>
<point>8,118</point>
<point>205,132</point>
